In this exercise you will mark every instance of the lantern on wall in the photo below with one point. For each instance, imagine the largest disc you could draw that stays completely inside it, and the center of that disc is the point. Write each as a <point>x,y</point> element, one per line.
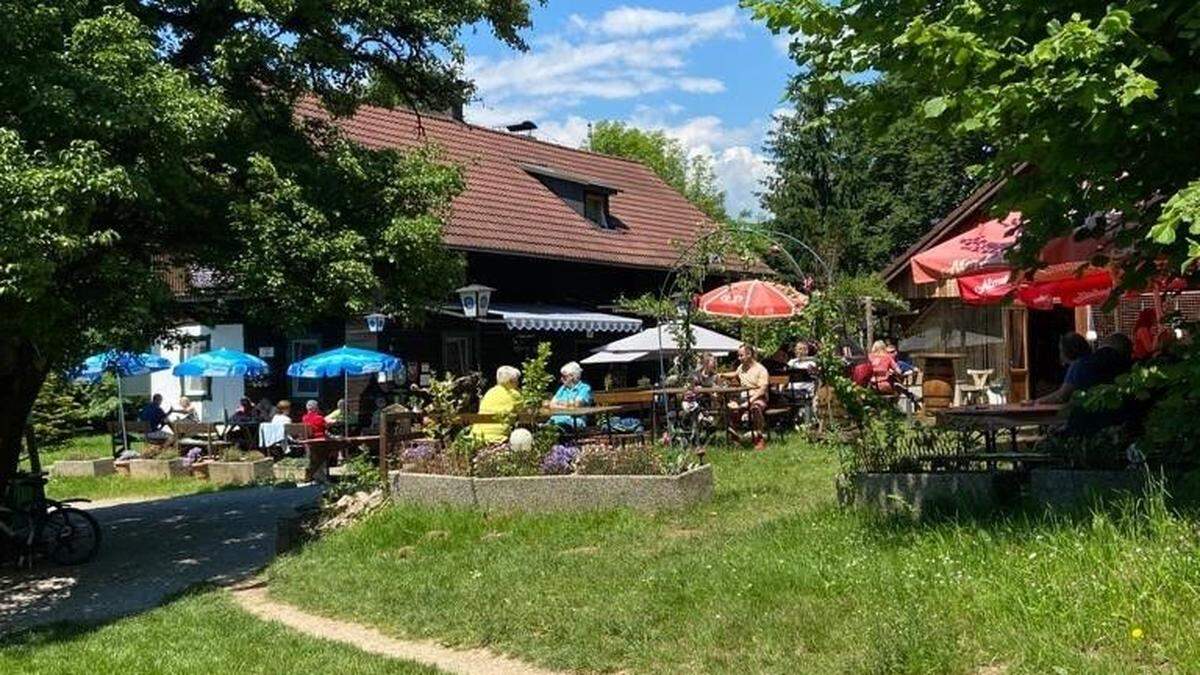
<point>475,300</point>
<point>375,322</point>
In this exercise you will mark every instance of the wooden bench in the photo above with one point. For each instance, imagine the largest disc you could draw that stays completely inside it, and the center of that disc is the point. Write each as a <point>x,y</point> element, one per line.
<point>135,432</point>
<point>203,435</point>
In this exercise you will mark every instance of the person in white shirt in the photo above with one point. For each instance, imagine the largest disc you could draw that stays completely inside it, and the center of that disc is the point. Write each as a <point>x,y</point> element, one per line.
<point>282,413</point>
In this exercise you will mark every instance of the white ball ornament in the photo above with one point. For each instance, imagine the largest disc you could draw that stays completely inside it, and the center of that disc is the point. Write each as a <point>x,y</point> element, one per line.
<point>520,440</point>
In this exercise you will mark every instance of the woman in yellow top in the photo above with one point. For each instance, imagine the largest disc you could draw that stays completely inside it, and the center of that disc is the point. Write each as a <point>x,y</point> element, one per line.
<point>499,400</point>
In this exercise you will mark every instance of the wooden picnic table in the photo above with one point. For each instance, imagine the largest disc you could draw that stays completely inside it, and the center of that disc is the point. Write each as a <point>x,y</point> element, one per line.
<point>990,420</point>
<point>320,450</point>
<point>580,411</point>
<point>672,391</point>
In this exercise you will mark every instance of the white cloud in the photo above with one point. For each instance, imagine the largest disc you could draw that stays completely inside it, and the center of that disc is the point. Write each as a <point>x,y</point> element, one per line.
<point>741,171</point>
<point>628,21</point>
<point>622,54</point>
<point>701,85</point>
<point>572,132</point>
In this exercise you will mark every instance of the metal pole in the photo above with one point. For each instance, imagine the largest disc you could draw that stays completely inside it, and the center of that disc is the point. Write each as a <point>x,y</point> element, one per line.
<point>345,403</point>
<point>121,415</point>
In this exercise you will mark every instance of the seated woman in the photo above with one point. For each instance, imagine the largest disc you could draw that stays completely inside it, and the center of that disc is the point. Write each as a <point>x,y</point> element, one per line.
<point>501,399</point>
<point>573,393</point>
<point>313,419</point>
<point>184,411</point>
<point>244,414</point>
<point>884,368</point>
<point>283,413</point>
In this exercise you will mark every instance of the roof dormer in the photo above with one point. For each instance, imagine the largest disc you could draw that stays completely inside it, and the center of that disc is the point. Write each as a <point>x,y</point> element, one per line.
<point>587,196</point>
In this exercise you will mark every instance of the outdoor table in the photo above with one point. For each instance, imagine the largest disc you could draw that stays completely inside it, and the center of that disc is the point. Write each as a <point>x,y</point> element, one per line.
<point>248,430</point>
<point>580,411</point>
<point>320,450</point>
<point>937,388</point>
<point>990,420</point>
<point>723,393</point>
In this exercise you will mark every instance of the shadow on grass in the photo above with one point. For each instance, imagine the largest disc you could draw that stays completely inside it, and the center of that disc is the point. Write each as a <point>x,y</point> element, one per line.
<point>63,631</point>
<point>151,550</point>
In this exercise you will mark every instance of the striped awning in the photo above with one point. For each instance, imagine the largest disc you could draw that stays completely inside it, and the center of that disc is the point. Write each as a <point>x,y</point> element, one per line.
<point>556,318</point>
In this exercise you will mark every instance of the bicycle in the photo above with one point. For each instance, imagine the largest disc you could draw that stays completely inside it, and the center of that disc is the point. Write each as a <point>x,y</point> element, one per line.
<point>33,526</point>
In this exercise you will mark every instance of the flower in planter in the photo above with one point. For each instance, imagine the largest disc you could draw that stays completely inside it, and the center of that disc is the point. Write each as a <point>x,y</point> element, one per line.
<point>560,460</point>
<point>419,452</point>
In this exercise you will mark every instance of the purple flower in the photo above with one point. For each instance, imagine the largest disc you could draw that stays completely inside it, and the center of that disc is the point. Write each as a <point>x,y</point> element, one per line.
<point>418,453</point>
<point>560,460</point>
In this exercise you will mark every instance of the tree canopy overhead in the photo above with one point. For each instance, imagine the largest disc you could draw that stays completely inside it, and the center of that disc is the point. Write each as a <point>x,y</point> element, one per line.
<point>140,135</point>
<point>693,177</point>
<point>857,178</point>
<point>1099,97</point>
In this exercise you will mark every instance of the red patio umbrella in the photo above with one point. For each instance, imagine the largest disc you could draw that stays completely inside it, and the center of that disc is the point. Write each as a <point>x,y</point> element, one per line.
<point>984,248</point>
<point>987,288</point>
<point>753,300</point>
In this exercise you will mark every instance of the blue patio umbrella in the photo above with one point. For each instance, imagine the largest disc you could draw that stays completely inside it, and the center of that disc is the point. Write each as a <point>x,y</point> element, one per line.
<point>121,364</point>
<point>222,363</point>
<point>344,362</point>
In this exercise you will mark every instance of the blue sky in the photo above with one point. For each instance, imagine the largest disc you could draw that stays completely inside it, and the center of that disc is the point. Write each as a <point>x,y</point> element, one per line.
<point>701,71</point>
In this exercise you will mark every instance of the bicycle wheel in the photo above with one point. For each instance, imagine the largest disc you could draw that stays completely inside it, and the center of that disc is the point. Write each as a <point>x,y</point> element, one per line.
<point>70,536</point>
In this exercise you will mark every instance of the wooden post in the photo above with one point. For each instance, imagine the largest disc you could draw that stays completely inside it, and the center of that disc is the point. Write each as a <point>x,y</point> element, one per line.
<point>870,312</point>
<point>385,424</point>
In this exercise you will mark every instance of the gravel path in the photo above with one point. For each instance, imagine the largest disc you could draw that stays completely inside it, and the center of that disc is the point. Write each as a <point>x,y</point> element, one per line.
<point>152,550</point>
<point>254,599</point>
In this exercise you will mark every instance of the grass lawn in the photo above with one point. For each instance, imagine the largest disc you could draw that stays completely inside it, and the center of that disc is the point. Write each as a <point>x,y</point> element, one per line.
<point>108,487</point>
<point>117,487</point>
<point>772,577</point>
<point>81,447</point>
<point>201,633</point>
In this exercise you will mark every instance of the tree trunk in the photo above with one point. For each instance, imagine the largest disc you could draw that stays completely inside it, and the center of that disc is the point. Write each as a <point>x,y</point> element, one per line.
<point>22,372</point>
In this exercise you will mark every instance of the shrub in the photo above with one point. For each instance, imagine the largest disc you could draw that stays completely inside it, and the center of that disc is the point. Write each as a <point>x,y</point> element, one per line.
<point>501,460</point>
<point>159,452</point>
<point>599,459</point>
<point>238,455</point>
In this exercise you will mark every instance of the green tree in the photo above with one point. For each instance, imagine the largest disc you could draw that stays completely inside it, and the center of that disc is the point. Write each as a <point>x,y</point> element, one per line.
<point>859,179</point>
<point>1099,97</point>
<point>149,135</point>
<point>694,178</point>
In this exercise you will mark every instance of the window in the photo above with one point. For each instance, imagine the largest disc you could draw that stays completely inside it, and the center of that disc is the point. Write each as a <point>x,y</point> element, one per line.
<point>595,208</point>
<point>458,353</point>
<point>196,388</point>
<point>304,387</point>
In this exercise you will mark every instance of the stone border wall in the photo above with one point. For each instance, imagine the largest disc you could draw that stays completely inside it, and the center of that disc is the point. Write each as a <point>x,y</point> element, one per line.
<point>555,493</point>
<point>917,493</point>
<point>981,491</point>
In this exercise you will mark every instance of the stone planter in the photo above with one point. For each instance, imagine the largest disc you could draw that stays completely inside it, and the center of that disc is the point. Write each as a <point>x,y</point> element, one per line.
<point>240,473</point>
<point>1070,488</point>
<point>199,470</point>
<point>156,468</point>
<point>89,468</point>
<point>917,493</point>
<point>290,472</point>
<point>555,493</point>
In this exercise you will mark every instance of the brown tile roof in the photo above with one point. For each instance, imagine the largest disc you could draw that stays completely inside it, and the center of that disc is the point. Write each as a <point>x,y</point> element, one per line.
<point>504,209</point>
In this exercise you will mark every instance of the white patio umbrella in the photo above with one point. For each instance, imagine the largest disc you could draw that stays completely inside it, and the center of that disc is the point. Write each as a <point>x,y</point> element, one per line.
<point>651,342</point>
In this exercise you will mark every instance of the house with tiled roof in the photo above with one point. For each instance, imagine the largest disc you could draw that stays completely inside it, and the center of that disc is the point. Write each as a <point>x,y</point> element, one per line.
<point>559,233</point>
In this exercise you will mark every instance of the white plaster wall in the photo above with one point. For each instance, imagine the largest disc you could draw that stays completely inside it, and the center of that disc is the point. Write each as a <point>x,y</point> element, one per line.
<point>226,391</point>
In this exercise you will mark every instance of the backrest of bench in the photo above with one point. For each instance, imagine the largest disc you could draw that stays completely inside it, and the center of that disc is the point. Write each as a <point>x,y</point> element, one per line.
<point>626,397</point>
